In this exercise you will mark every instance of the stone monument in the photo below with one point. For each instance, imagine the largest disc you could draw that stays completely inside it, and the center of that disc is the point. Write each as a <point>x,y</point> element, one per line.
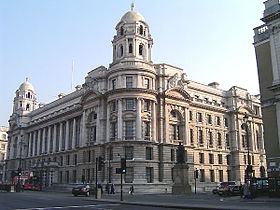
<point>180,173</point>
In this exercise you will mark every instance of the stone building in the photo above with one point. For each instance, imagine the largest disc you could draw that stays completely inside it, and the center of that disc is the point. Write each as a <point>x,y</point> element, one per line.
<point>141,111</point>
<point>3,150</point>
<point>267,48</point>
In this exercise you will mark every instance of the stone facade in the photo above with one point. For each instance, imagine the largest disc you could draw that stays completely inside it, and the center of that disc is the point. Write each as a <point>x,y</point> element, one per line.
<point>141,111</point>
<point>267,47</point>
<point>3,150</point>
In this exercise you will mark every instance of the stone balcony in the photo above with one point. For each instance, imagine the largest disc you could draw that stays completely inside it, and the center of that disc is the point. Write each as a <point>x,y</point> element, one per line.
<point>261,33</point>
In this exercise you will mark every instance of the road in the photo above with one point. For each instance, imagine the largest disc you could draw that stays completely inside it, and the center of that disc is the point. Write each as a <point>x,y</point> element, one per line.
<point>46,200</point>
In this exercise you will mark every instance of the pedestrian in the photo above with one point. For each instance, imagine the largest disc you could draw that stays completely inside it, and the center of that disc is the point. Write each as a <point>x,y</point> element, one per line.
<point>241,191</point>
<point>107,188</point>
<point>131,190</point>
<point>112,189</point>
<point>246,190</point>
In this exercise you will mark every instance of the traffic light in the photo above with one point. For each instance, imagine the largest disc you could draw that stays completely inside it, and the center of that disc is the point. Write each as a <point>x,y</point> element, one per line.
<point>196,174</point>
<point>19,172</point>
<point>100,163</point>
<point>123,165</point>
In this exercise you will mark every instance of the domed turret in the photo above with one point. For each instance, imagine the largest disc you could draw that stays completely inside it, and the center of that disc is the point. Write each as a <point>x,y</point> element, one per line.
<point>25,99</point>
<point>132,41</point>
<point>132,16</point>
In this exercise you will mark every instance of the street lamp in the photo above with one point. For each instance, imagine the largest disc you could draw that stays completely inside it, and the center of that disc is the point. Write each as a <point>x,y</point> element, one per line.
<point>249,168</point>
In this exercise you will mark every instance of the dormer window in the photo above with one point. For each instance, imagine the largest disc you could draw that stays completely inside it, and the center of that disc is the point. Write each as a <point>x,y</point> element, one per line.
<point>141,30</point>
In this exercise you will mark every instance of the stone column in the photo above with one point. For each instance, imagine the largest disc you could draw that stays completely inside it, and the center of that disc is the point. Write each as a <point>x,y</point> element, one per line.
<point>50,141</point>
<point>43,140</point>
<point>138,119</point>
<point>108,123</point>
<point>60,136</point>
<point>187,136</point>
<point>34,143</point>
<point>54,137</point>
<point>83,129</point>
<point>67,135</point>
<point>74,134</point>
<point>120,126</point>
<point>154,122</point>
<point>166,137</point>
<point>98,124</point>
<point>30,144</point>
<point>39,142</point>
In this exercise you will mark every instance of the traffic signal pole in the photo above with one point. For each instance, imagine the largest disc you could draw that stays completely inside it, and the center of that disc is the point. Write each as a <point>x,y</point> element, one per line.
<point>96,169</point>
<point>121,188</point>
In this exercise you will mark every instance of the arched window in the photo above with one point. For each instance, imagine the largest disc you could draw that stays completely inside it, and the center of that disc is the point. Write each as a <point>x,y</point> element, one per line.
<point>140,49</point>
<point>28,95</point>
<point>27,107</point>
<point>130,48</point>
<point>141,30</point>
<point>121,50</point>
<point>122,31</point>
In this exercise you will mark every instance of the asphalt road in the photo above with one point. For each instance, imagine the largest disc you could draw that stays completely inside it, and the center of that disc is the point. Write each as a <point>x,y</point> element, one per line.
<point>46,200</point>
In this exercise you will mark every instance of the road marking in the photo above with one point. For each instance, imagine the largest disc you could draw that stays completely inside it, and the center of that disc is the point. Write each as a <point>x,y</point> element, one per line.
<point>67,207</point>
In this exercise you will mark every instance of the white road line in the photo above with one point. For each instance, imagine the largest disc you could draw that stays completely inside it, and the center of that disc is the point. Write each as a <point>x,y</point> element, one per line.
<point>65,207</point>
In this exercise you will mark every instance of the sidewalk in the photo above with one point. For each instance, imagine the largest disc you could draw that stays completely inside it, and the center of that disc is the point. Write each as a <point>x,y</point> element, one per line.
<point>192,201</point>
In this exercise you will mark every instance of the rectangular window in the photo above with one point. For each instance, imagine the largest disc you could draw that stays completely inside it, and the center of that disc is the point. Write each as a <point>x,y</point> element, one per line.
<point>146,129</point>
<point>228,159</point>
<point>113,130</point>
<point>75,159</point>
<point>212,176</point>
<point>89,156</point>
<point>129,176</point>
<point>61,161</point>
<point>74,177</point>
<point>68,159</point>
<point>211,159</point>
<point>226,122</point>
<point>253,160</point>
<point>129,129</point>
<point>209,119</point>
<point>146,83</point>
<point>220,158</point>
<point>172,151</point>
<point>129,153</point>
<point>200,137</point>
<point>191,136</point>
<point>219,139</point>
<point>243,140</point>
<point>210,135</point>
<point>114,83</point>
<point>218,122</point>
<point>202,175</point>
<point>149,153</point>
<point>227,140</point>
<point>199,117</point>
<point>221,176</point>
<point>88,175</point>
<point>172,132</point>
<point>201,158</point>
<point>149,174</point>
<point>129,104</point>
<point>129,82</point>
<point>190,115</point>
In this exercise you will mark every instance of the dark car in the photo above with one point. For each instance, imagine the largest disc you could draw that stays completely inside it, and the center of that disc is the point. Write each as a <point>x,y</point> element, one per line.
<point>235,189</point>
<point>224,188</point>
<point>82,190</point>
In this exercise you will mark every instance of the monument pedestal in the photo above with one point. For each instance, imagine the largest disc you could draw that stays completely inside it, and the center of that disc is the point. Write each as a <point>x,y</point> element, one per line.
<point>181,181</point>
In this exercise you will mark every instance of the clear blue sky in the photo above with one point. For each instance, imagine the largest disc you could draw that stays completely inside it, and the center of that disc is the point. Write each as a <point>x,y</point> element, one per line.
<point>210,39</point>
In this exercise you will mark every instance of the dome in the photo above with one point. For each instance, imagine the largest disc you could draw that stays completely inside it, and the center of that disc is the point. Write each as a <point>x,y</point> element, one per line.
<point>26,86</point>
<point>132,16</point>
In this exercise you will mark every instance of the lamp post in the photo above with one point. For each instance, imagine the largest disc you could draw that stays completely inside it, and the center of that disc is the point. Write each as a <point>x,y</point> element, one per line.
<point>248,170</point>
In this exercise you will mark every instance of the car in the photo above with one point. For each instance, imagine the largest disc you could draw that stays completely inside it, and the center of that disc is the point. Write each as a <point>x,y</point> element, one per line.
<point>234,190</point>
<point>82,190</point>
<point>221,187</point>
<point>224,188</point>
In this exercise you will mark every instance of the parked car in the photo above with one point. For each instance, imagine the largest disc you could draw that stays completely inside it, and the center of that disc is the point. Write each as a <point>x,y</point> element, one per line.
<point>221,187</point>
<point>234,189</point>
<point>82,190</point>
<point>224,189</point>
